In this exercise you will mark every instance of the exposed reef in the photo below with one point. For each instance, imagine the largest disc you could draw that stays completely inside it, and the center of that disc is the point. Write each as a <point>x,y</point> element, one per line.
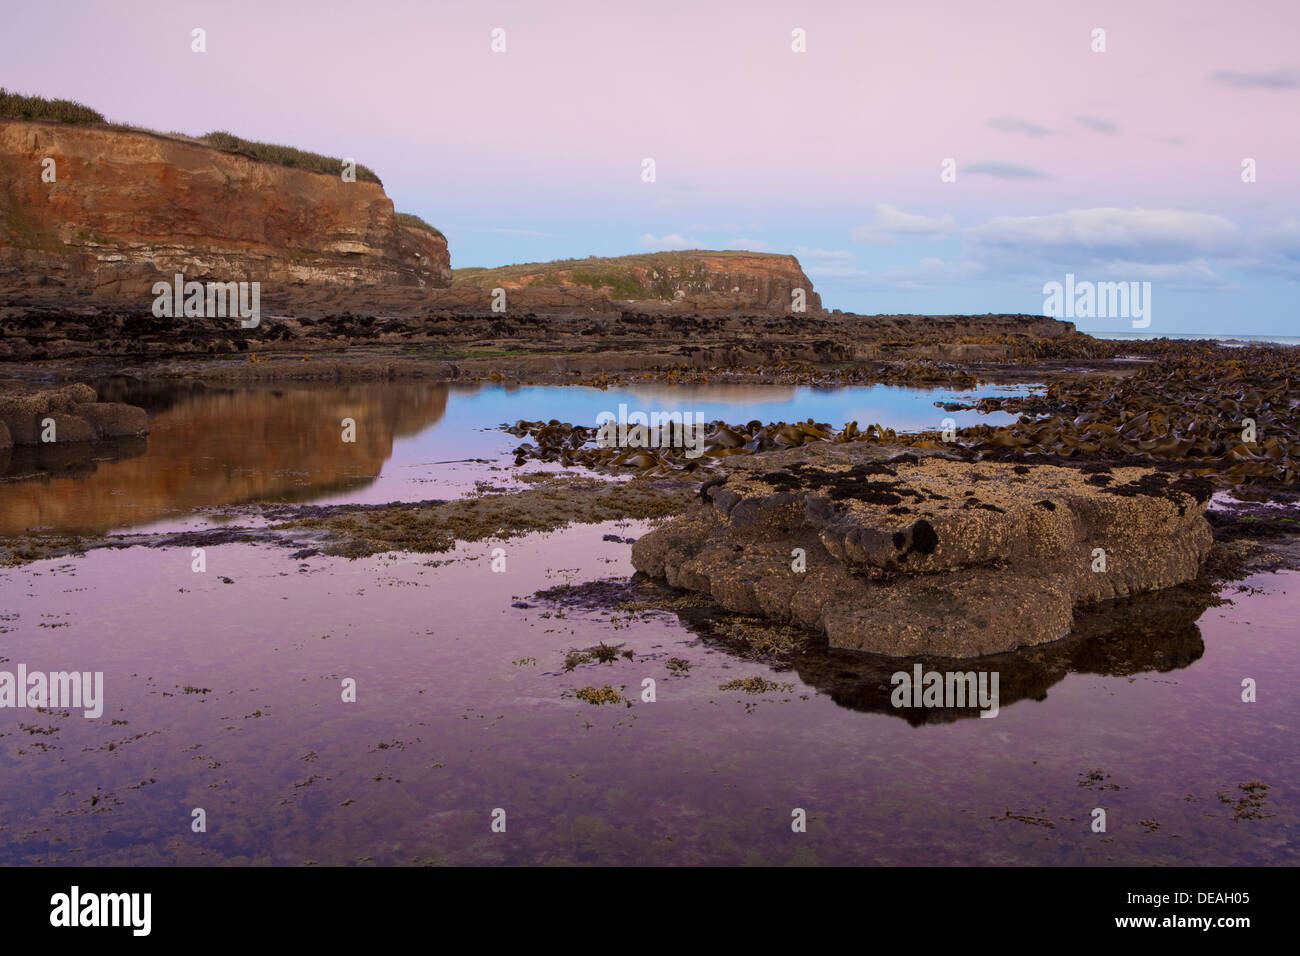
<point>928,556</point>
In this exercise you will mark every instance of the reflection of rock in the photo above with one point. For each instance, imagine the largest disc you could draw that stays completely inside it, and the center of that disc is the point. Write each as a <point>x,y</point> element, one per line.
<point>66,460</point>
<point>1151,632</point>
<point>1154,632</point>
<point>218,447</point>
<point>932,556</point>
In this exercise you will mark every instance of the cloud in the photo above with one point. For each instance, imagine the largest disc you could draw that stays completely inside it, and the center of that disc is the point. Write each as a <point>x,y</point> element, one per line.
<point>1097,125</point>
<point>1195,275</point>
<point>891,223</point>
<point>1011,124</point>
<point>748,245</point>
<point>524,233</point>
<point>1278,79</point>
<point>805,252</point>
<point>926,275</point>
<point>1147,235</point>
<point>1275,253</point>
<point>1001,170</point>
<point>673,241</point>
<point>1174,249</point>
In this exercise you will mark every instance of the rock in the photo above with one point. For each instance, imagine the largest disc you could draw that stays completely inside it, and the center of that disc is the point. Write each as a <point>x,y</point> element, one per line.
<point>68,428</point>
<point>929,556</point>
<point>76,414</point>
<point>192,208</point>
<point>114,420</point>
<point>698,281</point>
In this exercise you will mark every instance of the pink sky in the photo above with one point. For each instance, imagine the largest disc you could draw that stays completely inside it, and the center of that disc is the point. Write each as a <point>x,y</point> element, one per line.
<point>750,139</point>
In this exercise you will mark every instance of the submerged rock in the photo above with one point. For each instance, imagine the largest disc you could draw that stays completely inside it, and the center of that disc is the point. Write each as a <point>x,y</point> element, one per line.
<point>929,556</point>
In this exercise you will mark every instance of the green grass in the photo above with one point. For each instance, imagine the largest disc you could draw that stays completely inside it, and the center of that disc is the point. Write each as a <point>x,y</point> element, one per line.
<point>415,222</point>
<point>24,107</point>
<point>654,275</point>
<point>19,106</point>
<point>284,155</point>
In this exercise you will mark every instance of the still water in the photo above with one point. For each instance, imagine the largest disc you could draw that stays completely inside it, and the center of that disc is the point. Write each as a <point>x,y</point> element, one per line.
<point>223,689</point>
<point>213,447</point>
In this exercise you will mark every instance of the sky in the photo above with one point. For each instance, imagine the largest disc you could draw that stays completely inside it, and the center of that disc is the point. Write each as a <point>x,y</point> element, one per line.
<point>1164,150</point>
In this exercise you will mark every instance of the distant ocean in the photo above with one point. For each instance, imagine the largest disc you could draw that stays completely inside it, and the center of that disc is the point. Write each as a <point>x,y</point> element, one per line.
<point>1227,338</point>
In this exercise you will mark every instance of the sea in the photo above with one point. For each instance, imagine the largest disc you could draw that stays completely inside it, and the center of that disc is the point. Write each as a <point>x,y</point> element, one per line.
<point>1226,338</point>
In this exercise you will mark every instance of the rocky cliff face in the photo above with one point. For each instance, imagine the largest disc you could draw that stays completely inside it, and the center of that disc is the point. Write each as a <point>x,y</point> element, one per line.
<point>694,281</point>
<point>128,208</point>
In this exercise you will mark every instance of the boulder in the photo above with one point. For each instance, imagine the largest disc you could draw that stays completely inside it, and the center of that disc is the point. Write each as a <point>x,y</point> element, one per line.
<point>113,419</point>
<point>929,556</point>
<point>77,416</point>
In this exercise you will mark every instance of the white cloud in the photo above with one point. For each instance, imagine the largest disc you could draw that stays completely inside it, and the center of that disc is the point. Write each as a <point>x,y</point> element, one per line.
<point>1194,275</point>
<point>672,241</point>
<point>1012,124</point>
<point>524,233</point>
<point>1001,170</point>
<point>1098,125</point>
<point>806,252</point>
<point>926,275</point>
<point>891,223</point>
<point>1145,235</point>
<point>1279,79</point>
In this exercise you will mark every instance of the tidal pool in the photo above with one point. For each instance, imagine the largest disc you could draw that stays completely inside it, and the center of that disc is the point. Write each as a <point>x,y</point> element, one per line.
<point>224,690</point>
<point>210,447</point>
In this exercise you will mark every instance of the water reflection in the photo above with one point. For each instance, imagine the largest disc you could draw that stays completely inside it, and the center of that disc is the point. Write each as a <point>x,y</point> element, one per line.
<point>215,446</point>
<point>210,447</point>
<point>1155,632</point>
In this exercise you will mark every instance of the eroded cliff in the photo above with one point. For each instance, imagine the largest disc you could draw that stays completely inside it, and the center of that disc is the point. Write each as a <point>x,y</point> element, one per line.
<point>698,281</point>
<point>117,210</point>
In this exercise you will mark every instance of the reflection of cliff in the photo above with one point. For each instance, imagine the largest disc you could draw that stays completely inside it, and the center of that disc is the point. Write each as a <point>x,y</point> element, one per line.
<point>1151,632</point>
<point>680,396</point>
<point>218,447</point>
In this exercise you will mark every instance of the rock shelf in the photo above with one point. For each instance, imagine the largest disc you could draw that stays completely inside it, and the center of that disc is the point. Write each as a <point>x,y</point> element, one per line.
<point>911,556</point>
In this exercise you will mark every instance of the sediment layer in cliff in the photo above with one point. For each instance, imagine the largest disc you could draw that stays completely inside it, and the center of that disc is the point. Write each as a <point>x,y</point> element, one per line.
<point>120,209</point>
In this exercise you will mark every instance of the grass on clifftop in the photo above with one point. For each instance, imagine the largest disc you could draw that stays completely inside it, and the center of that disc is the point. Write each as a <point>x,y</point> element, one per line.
<point>664,270</point>
<point>284,155</point>
<point>415,222</point>
<point>20,106</point>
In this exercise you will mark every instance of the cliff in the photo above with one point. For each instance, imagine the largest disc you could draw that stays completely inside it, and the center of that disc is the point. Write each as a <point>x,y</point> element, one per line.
<point>130,207</point>
<point>697,281</point>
